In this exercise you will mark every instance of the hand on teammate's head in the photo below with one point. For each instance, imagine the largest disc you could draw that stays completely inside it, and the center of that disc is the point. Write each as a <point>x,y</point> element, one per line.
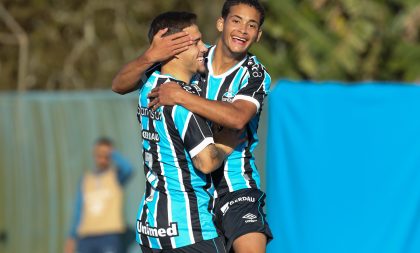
<point>162,47</point>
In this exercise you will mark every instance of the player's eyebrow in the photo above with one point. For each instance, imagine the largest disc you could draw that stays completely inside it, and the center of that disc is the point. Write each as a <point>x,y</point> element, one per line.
<point>236,16</point>
<point>251,20</point>
<point>197,38</point>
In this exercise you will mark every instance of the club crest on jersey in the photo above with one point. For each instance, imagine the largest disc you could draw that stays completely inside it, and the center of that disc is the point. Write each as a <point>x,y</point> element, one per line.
<point>156,232</point>
<point>228,96</point>
<point>150,136</point>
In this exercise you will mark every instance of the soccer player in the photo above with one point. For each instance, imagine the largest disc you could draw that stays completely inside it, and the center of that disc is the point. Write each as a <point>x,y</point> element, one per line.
<point>178,151</point>
<point>233,91</point>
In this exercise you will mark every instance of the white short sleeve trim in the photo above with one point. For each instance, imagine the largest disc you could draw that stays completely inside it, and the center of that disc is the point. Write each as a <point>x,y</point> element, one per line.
<point>249,99</point>
<point>207,141</point>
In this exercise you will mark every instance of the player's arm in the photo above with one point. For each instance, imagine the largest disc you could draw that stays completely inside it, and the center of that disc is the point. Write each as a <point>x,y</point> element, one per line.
<point>234,115</point>
<point>124,167</point>
<point>198,140</point>
<point>213,156</point>
<point>70,244</point>
<point>129,77</point>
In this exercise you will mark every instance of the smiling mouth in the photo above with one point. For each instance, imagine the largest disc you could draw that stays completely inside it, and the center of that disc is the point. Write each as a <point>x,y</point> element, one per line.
<point>239,40</point>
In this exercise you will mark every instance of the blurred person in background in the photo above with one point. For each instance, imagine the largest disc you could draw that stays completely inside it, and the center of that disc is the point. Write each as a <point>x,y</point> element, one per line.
<point>98,224</point>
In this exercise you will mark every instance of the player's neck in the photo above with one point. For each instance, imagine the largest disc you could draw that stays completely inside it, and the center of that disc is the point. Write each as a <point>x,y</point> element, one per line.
<point>224,59</point>
<point>177,72</point>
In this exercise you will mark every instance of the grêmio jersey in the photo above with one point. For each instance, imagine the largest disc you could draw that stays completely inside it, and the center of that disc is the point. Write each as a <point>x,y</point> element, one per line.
<point>176,208</point>
<point>247,80</point>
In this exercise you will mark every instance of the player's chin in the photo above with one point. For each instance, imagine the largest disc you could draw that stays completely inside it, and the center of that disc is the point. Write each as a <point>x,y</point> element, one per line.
<point>240,49</point>
<point>201,68</point>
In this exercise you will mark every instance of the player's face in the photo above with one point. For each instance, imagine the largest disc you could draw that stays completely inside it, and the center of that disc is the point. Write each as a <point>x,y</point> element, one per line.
<point>240,29</point>
<point>193,58</point>
<point>102,156</point>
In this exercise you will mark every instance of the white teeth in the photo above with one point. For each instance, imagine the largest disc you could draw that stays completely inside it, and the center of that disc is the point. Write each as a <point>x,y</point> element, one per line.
<point>237,38</point>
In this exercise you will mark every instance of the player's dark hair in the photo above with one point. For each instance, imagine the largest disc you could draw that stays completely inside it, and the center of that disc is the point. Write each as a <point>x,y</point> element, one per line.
<point>175,21</point>
<point>104,141</point>
<point>253,3</point>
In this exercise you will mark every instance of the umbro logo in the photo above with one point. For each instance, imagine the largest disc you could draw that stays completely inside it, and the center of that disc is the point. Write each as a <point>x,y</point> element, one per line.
<point>249,216</point>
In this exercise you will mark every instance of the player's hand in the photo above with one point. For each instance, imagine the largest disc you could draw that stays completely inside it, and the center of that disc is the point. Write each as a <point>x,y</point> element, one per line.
<point>163,48</point>
<point>166,94</point>
<point>229,138</point>
<point>70,246</point>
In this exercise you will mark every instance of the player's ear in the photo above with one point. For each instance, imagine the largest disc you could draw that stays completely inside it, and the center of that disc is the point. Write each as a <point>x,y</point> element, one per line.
<point>219,24</point>
<point>259,35</point>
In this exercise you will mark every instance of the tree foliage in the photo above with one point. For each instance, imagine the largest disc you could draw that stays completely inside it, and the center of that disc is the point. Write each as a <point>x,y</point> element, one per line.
<point>81,44</point>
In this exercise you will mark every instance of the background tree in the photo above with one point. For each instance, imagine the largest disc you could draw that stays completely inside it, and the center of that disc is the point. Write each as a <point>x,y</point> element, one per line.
<point>80,44</point>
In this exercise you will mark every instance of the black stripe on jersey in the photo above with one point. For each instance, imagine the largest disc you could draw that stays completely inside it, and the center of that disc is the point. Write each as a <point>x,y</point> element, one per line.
<point>138,115</point>
<point>226,84</point>
<point>186,175</point>
<point>156,167</point>
<point>247,165</point>
<point>202,84</point>
<point>163,219</point>
<point>219,180</point>
<point>255,87</point>
<point>148,73</point>
<point>206,188</point>
<point>162,205</point>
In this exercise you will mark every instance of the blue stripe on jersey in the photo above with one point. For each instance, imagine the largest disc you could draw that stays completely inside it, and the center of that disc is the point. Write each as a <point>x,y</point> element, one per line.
<point>240,76</point>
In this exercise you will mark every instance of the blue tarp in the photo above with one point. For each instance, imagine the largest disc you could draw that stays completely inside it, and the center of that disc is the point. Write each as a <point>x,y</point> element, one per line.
<point>343,168</point>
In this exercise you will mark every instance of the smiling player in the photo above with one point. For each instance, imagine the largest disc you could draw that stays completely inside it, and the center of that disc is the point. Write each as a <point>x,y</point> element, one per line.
<point>233,90</point>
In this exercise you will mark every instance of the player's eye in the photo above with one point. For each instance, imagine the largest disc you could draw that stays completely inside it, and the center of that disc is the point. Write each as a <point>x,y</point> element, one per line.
<point>253,26</point>
<point>235,21</point>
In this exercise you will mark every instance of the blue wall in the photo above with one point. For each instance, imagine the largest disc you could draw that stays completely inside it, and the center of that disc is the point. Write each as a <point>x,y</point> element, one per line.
<point>343,168</point>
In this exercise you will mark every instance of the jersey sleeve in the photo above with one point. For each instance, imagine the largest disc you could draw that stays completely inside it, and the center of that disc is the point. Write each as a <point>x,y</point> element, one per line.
<point>193,129</point>
<point>256,86</point>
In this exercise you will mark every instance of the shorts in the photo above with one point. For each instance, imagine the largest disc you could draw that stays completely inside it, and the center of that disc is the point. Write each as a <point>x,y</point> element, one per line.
<point>216,245</point>
<point>239,213</point>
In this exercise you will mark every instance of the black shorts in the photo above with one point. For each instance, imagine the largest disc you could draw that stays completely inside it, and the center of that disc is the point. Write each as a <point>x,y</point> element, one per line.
<point>216,245</point>
<point>239,213</point>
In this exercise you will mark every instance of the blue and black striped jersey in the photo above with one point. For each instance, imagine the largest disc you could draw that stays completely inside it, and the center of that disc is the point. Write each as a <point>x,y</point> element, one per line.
<point>248,80</point>
<point>176,208</point>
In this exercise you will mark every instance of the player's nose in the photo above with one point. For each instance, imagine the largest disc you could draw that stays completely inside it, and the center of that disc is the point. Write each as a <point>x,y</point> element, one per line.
<point>203,47</point>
